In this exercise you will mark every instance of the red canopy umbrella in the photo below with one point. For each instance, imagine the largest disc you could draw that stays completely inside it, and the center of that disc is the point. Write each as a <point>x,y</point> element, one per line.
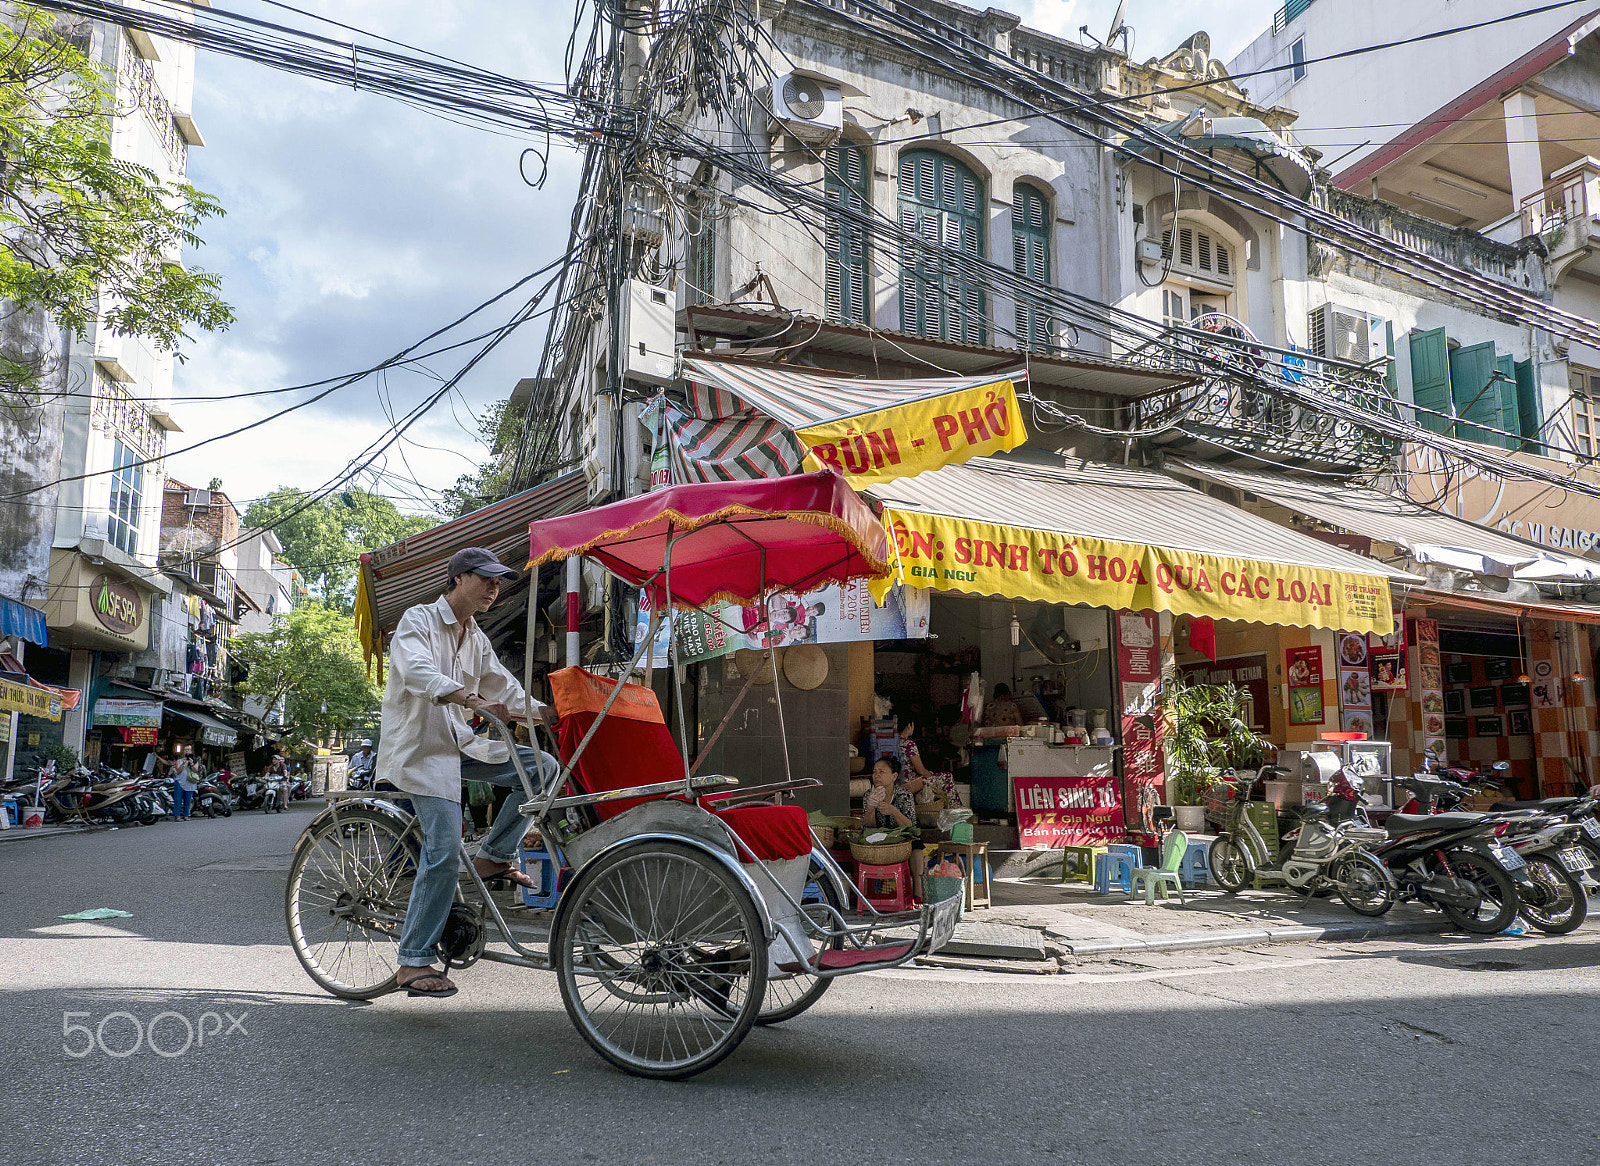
<point>731,541</point>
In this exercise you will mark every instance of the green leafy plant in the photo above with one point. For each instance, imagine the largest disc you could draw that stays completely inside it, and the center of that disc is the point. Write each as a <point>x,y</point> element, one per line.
<point>85,237</point>
<point>1205,732</point>
<point>65,757</point>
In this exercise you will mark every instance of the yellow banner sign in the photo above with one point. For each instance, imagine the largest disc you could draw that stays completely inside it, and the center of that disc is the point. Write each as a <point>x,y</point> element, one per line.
<point>906,440</point>
<point>34,702</point>
<point>954,554</point>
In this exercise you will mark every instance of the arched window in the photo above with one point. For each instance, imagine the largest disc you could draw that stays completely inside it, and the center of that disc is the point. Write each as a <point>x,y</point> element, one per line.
<point>940,201</point>
<point>847,185</point>
<point>1030,259</point>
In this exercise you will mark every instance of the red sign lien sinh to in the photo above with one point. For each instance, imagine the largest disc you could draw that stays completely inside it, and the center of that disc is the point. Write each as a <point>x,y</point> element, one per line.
<point>1068,811</point>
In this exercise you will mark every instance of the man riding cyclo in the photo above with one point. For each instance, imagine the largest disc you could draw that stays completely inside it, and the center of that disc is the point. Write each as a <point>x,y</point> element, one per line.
<point>441,667</point>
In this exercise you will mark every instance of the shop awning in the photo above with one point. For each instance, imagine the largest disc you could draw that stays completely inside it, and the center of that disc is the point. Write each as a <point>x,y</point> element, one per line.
<point>1423,599</point>
<point>13,669</point>
<point>1427,536</point>
<point>21,619</point>
<point>212,731</point>
<point>31,701</point>
<point>411,571</point>
<point>1035,527</point>
<point>877,431</point>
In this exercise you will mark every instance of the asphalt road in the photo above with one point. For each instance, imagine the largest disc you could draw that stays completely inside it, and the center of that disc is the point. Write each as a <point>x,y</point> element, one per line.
<point>1433,1048</point>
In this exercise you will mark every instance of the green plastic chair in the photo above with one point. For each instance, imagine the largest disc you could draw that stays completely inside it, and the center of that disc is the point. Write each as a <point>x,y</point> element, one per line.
<point>1159,878</point>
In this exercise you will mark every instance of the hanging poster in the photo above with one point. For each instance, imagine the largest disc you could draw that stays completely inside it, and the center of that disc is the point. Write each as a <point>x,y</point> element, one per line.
<point>1355,689</point>
<point>1395,641</point>
<point>134,713</point>
<point>1246,672</point>
<point>1388,670</point>
<point>1430,695</point>
<point>1303,668</point>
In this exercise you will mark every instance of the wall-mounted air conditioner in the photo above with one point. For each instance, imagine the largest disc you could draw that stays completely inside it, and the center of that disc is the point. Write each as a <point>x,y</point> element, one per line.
<point>1345,334</point>
<point>198,499</point>
<point>807,107</point>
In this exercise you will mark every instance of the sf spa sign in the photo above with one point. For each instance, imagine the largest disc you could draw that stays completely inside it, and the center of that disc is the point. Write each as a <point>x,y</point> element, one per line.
<point>958,554</point>
<point>1067,811</point>
<point>904,440</point>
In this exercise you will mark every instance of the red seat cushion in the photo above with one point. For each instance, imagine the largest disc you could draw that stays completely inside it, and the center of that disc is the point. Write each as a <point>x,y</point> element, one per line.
<point>772,833</point>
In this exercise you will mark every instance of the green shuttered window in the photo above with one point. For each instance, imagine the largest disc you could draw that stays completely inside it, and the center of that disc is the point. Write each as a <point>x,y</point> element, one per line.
<point>1030,259</point>
<point>941,201</point>
<point>847,186</point>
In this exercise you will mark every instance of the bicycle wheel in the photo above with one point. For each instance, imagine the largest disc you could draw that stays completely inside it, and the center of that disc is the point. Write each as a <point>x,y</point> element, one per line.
<point>789,997</point>
<point>1228,865</point>
<point>1364,885</point>
<point>346,901</point>
<point>661,958</point>
<point>1498,901</point>
<point>1562,905</point>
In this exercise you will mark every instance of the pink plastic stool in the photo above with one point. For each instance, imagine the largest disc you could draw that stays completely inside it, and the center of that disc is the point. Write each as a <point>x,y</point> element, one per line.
<point>887,888</point>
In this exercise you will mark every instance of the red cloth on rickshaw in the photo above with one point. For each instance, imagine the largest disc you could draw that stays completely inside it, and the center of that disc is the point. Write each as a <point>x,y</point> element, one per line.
<point>633,747</point>
<point>732,541</point>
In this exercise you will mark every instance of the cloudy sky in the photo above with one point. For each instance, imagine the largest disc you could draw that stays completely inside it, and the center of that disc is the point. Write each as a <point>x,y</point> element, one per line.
<point>356,225</point>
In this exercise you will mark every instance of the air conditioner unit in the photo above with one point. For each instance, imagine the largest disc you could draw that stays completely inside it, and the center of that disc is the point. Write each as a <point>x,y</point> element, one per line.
<point>197,498</point>
<point>807,107</point>
<point>1345,334</point>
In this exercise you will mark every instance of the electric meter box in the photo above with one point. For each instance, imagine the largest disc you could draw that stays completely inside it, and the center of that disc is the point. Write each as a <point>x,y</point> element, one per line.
<point>649,333</point>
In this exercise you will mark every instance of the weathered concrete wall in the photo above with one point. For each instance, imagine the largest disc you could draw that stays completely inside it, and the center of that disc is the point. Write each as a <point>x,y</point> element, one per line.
<point>30,456</point>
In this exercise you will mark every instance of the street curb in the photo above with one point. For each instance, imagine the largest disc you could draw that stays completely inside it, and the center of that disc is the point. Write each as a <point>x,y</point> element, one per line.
<point>1334,933</point>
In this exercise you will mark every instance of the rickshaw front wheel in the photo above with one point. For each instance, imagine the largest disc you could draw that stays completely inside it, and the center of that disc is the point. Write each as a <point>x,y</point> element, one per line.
<point>661,958</point>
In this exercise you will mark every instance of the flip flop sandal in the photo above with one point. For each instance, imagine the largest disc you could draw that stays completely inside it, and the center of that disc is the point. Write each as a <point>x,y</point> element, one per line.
<point>510,874</point>
<point>411,989</point>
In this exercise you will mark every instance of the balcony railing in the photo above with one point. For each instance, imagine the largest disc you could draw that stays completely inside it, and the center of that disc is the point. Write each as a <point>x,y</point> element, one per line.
<point>1457,246</point>
<point>1265,415</point>
<point>1569,202</point>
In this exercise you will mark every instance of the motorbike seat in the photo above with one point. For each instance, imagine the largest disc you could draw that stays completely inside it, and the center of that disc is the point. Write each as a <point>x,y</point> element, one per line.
<point>1399,824</point>
<point>1538,804</point>
<point>1315,810</point>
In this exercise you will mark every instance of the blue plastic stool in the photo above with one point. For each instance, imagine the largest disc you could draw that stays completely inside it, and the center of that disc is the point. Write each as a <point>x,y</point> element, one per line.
<point>548,878</point>
<point>1195,870</point>
<point>1132,849</point>
<point>1114,866</point>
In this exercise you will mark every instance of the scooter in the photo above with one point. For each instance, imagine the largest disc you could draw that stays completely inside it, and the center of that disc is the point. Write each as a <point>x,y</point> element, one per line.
<point>276,795</point>
<point>212,799</point>
<point>1557,902</point>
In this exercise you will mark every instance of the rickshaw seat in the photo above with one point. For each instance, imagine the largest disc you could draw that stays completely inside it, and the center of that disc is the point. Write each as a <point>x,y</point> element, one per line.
<point>634,747</point>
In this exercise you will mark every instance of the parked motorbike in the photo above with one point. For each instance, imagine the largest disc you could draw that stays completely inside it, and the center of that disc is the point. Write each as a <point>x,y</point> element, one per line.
<point>212,799</point>
<point>115,800</point>
<point>1457,863</point>
<point>1583,811</point>
<point>251,791</point>
<point>1556,903</point>
<point>1325,847</point>
<point>299,788</point>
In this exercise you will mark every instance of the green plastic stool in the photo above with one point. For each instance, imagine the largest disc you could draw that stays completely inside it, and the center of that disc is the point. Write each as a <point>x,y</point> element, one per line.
<point>1159,878</point>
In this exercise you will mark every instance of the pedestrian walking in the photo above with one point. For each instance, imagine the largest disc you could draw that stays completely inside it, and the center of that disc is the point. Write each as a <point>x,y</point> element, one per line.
<point>184,784</point>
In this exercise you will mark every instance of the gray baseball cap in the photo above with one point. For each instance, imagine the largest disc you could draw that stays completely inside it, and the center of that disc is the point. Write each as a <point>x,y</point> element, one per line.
<point>477,561</point>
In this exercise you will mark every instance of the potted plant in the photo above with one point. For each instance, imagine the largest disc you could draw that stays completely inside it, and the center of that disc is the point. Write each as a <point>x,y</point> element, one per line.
<point>1205,733</point>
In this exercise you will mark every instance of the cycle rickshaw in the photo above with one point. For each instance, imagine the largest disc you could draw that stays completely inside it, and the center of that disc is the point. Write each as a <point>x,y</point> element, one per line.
<point>691,907</point>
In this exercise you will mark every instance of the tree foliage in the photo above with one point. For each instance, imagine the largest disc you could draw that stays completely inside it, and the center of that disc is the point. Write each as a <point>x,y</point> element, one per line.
<point>323,540</point>
<point>86,237</point>
<point>310,656</point>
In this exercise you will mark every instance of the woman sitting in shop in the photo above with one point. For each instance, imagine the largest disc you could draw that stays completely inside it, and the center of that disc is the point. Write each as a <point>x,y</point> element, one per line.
<point>889,803</point>
<point>945,783</point>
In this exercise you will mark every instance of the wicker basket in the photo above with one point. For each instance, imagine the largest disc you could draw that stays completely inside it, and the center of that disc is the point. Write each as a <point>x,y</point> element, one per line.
<point>928,812</point>
<point>824,836</point>
<point>884,855</point>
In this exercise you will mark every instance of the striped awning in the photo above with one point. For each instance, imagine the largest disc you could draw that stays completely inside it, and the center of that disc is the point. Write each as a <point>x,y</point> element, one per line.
<point>411,571</point>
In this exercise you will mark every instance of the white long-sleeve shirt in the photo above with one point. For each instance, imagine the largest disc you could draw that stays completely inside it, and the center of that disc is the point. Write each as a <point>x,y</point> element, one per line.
<point>424,737</point>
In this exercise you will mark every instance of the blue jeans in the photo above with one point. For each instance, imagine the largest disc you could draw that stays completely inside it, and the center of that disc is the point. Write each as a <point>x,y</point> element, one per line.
<point>438,866</point>
<point>182,801</point>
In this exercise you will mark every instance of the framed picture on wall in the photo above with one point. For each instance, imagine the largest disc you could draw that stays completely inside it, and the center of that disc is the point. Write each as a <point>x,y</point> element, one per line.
<point>1514,693</point>
<point>1455,728</point>
<point>1484,697</point>
<point>1490,726</point>
<point>1455,702</point>
<point>1521,723</point>
<point>1458,673</point>
<point>1501,669</point>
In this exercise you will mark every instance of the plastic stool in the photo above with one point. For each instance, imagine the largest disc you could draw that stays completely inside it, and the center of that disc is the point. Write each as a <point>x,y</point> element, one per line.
<point>1077,863</point>
<point>1132,849</point>
<point>870,881</point>
<point>1195,870</point>
<point>1114,866</point>
<point>548,878</point>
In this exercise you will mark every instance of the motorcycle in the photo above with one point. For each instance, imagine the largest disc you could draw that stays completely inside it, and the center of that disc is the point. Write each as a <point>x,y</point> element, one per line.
<point>276,795</point>
<point>299,788</point>
<point>251,791</point>
<point>211,798</point>
<point>1325,847</point>
<point>1583,811</point>
<point>1456,862</point>
<point>1557,902</point>
<point>115,800</point>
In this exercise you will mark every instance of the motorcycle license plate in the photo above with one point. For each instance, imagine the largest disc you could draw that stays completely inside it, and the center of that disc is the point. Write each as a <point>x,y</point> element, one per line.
<point>1590,827</point>
<point>1573,859</point>
<point>1509,859</point>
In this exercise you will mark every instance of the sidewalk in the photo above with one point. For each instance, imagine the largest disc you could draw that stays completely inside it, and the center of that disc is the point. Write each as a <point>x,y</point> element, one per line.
<point>17,833</point>
<point>1071,920</point>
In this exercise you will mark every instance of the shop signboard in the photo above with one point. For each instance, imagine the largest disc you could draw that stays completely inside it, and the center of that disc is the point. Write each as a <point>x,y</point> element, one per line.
<point>904,440</point>
<point>137,736</point>
<point>1563,520</point>
<point>1246,672</point>
<point>5,728</point>
<point>31,701</point>
<point>1303,668</point>
<point>133,713</point>
<point>1068,811</point>
<point>836,614</point>
<point>958,554</point>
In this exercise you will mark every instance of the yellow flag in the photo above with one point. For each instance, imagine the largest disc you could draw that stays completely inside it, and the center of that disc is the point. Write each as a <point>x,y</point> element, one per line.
<point>905,440</point>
